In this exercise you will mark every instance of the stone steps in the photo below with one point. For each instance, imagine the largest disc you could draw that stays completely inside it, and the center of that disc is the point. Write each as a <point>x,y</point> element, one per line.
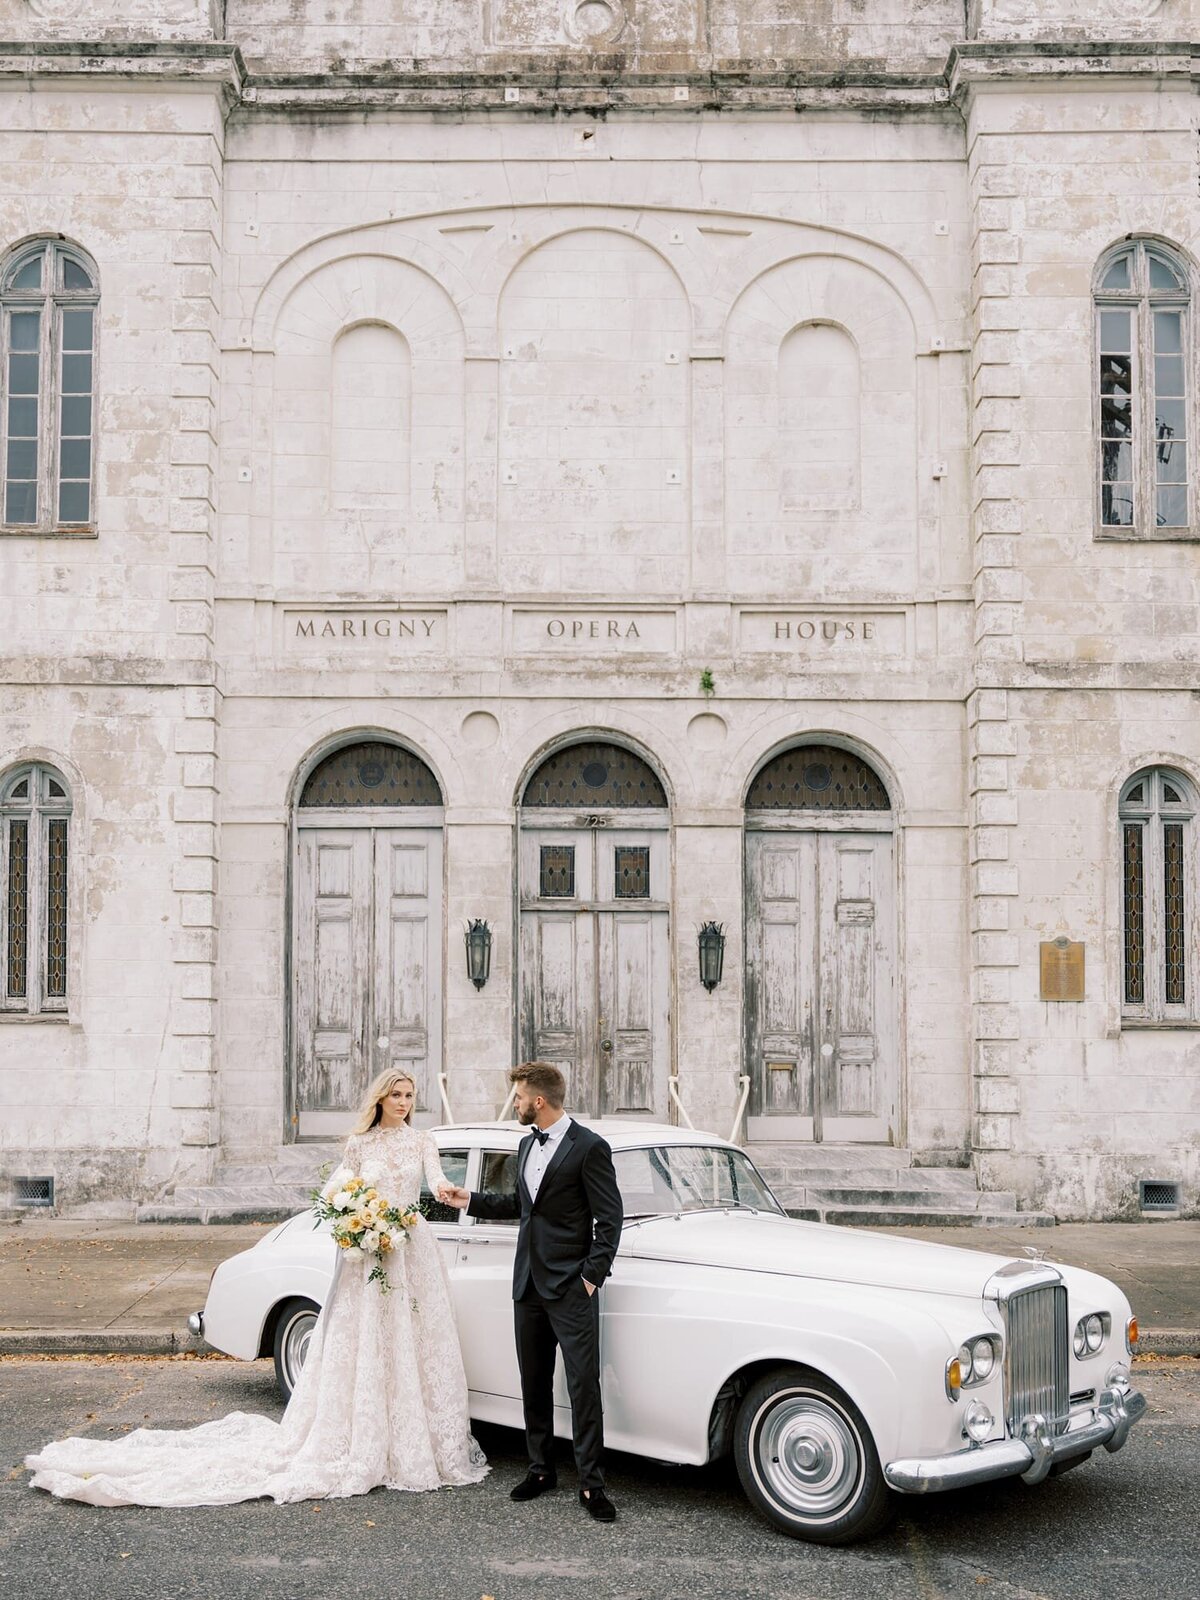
<point>877,1187</point>
<point>275,1187</point>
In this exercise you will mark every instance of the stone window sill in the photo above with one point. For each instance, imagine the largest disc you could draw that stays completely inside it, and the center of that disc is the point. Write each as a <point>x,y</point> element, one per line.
<point>1155,536</point>
<point>1145,1025</point>
<point>10,531</point>
<point>39,1018</point>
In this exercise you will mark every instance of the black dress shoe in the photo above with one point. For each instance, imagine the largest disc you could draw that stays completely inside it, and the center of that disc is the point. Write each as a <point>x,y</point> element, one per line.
<point>598,1505</point>
<point>532,1485</point>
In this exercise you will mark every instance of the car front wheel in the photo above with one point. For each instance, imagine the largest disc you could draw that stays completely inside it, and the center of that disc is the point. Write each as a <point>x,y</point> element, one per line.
<point>807,1460</point>
<point>293,1331</point>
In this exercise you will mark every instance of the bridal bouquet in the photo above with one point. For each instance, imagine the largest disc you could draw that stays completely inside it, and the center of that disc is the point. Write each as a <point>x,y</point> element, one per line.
<point>363,1220</point>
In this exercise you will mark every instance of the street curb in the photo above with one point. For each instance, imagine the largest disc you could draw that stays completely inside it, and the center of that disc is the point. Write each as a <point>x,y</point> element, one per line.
<point>1169,1342</point>
<point>86,1342</point>
<point>170,1342</point>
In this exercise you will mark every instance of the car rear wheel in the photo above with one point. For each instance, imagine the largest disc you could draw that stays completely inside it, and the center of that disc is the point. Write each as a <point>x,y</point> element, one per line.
<point>807,1461</point>
<point>293,1330</point>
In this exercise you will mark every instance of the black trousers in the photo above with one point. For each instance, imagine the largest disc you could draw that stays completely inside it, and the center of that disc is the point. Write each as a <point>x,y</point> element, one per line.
<point>572,1324</point>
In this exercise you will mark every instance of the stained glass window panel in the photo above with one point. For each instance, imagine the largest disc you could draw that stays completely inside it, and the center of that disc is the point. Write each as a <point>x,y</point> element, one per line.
<point>1173,930</point>
<point>372,774</point>
<point>1134,890</point>
<point>556,871</point>
<point>818,777</point>
<point>594,774</point>
<point>631,872</point>
<point>17,916</point>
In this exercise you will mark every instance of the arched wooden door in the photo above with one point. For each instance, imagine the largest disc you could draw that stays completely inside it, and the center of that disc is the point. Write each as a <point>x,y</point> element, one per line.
<point>594,889</point>
<point>366,932</point>
<point>821,1028</point>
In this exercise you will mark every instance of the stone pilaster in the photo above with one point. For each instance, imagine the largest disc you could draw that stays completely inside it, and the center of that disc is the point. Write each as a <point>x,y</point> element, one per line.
<point>996,528</point>
<point>192,1047</point>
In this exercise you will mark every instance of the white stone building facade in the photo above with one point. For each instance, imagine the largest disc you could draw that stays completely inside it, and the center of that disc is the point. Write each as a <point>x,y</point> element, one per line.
<point>601,471</point>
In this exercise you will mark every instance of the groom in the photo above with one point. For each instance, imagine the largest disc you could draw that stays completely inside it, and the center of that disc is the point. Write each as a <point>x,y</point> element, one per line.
<point>570,1211</point>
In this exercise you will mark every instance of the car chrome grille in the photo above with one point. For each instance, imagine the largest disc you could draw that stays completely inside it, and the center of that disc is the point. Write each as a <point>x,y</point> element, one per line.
<point>1037,1361</point>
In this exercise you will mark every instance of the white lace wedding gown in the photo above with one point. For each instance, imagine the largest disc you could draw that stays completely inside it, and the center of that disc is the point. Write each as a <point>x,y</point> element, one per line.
<point>382,1398</point>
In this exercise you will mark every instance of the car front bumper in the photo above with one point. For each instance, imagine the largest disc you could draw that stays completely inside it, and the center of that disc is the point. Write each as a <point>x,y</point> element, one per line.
<point>1031,1456</point>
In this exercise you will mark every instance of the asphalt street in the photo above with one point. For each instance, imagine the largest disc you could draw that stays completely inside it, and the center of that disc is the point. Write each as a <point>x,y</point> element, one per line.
<point>1123,1524</point>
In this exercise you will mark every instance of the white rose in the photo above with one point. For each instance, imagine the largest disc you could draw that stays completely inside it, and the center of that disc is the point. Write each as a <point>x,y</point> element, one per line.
<point>341,1199</point>
<point>370,1240</point>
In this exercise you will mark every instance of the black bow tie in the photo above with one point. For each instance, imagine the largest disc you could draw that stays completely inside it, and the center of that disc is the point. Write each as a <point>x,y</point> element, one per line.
<point>540,1136</point>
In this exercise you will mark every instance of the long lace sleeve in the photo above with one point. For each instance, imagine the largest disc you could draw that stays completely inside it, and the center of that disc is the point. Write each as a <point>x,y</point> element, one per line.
<point>435,1178</point>
<point>346,1168</point>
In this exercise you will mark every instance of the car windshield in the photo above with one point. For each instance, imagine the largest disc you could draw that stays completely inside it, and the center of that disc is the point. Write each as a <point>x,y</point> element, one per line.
<point>667,1179</point>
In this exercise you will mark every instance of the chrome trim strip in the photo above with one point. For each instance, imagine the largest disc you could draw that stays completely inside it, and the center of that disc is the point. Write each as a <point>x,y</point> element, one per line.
<point>1031,1457</point>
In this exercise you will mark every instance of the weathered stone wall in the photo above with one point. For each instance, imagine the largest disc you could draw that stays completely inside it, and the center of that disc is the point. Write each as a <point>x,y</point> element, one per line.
<point>845,363</point>
<point>107,646</point>
<point>1096,675</point>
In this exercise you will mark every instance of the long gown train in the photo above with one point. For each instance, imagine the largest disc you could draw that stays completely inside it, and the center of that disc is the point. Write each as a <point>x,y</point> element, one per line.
<point>382,1398</point>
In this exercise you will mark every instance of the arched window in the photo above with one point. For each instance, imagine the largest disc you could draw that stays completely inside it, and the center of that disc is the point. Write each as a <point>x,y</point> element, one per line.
<point>594,774</point>
<point>372,773</point>
<point>35,807</point>
<point>49,297</point>
<point>1158,901</point>
<point>817,777</point>
<point>1143,341</point>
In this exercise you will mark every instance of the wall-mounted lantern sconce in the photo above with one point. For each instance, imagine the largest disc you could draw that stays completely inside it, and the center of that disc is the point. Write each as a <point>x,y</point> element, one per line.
<point>478,939</point>
<point>711,940</point>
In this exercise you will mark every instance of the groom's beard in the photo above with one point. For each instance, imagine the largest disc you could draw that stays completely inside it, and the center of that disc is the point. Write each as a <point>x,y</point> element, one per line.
<point>526,1118</point>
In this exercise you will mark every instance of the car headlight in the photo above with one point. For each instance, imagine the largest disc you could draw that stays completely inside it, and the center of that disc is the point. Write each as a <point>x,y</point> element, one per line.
<point>1090,1334</point>
<point>977,1359</point>
<point>978,1422</point>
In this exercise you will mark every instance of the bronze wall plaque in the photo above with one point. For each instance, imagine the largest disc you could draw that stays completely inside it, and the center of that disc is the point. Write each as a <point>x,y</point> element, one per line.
<point>1061,962</point>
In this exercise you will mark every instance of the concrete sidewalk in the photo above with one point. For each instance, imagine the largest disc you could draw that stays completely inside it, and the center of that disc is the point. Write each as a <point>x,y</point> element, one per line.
<point>95,1288</point>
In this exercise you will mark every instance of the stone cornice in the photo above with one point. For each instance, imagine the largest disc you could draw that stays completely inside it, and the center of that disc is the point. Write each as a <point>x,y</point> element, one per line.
<point>540,91</point>
<point>1005,64</point>
<point>213,65</point>
<point>541,86</point>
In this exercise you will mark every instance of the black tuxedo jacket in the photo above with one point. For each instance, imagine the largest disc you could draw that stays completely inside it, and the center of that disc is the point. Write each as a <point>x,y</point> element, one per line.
<point>573,1228</point>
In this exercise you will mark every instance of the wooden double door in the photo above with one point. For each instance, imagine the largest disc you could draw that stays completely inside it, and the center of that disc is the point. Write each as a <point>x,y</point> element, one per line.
<point>367,967</point>
<point>821,1031</point>
<point>594,963</point>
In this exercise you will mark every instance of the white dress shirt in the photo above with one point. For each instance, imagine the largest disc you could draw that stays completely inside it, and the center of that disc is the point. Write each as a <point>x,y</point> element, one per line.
<point>541,1155</point>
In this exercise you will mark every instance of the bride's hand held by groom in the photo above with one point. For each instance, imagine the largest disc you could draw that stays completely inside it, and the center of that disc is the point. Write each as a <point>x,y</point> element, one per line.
<point>450,1195</point>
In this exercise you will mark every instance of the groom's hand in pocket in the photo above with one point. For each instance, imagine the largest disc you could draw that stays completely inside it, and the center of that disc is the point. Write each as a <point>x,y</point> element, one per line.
<point>450,1195</point>
<point>590,1287</point>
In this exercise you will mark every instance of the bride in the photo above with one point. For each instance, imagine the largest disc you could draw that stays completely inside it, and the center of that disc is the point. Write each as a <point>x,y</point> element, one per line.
<point>382,1397</point>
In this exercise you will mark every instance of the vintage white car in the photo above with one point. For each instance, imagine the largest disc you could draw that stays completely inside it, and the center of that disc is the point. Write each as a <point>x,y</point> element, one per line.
<point>838,1365</point>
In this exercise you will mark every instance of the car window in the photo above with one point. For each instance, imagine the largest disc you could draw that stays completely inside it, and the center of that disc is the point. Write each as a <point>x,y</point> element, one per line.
<point>664,1179</point>
<point>454,1165</point>
<point>498,1175</point>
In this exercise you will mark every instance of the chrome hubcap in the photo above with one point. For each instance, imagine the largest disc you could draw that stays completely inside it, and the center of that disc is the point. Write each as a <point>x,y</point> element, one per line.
<point>295,1345</point>
<point>808,1455</point>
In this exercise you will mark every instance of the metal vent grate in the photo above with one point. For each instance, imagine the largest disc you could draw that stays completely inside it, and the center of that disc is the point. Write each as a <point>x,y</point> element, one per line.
<point>33,1191</point>
<point>1158,1194</point>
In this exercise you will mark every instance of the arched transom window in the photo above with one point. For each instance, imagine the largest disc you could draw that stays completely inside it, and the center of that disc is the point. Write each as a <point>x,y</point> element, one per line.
<point>372,773</point>
<point>49,296</point>
<point>1143,342</point>
<point>35,807</point>
<point>817,777</point>
<point>594,774</point>
<point>1158,896</point>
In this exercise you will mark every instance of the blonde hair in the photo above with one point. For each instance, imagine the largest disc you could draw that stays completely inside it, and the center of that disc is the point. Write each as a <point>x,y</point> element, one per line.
<point>371,1110</point>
